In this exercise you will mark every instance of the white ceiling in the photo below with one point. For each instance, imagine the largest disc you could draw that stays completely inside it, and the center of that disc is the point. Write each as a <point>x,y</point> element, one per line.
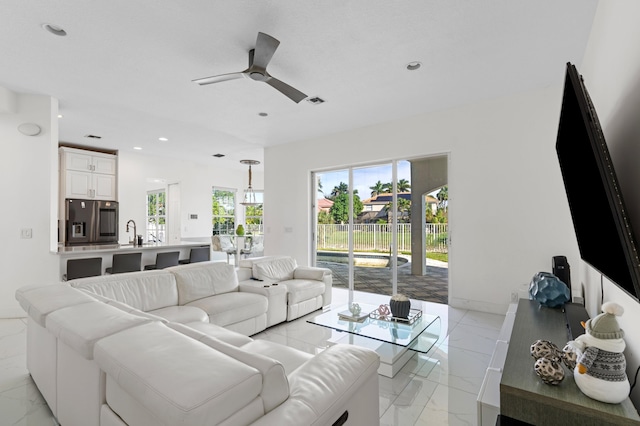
<point>125,69</point>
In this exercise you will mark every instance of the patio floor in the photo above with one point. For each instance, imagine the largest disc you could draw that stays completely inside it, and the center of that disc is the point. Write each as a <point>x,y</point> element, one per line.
<point>432,287</point>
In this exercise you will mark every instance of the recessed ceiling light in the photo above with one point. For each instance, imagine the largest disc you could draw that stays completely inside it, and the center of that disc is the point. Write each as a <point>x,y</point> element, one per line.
<point>163,139</point>
<point>93,136</point>
<point>137,148</point>
<point>60,115</point>
<point>412,66</point>
<point>263,114</point>
<point>218,155</point>
<point>54,29</point>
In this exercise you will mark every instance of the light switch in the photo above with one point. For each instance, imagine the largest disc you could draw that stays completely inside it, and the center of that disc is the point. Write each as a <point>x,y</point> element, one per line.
<point>25,233</point>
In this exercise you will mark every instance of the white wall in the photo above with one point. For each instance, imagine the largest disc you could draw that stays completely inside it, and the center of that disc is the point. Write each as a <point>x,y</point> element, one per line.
<point>135,172</point>
<point>29,173</point>
<point>611,72</point>
<point>502,155</point>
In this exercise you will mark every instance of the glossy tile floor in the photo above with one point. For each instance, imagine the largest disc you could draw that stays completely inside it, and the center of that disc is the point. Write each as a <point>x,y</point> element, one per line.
<point>439,388</point>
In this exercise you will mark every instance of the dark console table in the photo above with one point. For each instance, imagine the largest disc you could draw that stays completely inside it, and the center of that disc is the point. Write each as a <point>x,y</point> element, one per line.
<point>523,395</point>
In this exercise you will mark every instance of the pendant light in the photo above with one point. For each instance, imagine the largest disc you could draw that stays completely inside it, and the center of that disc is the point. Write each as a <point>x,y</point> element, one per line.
<point>249,195</point>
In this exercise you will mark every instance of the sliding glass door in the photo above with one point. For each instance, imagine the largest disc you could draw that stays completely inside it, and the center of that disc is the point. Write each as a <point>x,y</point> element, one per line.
<point>373,230</point>
<point>357,213</point>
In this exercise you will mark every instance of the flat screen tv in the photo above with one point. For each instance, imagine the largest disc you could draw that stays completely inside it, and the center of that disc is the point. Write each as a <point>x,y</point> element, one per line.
<point>605,237</point>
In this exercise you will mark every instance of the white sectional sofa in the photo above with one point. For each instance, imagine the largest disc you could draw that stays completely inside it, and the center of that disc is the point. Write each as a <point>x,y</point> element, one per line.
<point>135,349</point>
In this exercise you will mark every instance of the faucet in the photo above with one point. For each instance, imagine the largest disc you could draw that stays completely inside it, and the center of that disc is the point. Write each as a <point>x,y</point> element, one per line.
<point>135,234</point>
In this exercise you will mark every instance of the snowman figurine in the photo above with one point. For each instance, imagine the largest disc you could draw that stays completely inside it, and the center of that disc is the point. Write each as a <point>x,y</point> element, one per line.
<point>600,370</point>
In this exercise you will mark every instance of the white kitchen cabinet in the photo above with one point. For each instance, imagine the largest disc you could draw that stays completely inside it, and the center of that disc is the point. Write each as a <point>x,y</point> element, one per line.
<point>90,185</point>
<point>88,174</point>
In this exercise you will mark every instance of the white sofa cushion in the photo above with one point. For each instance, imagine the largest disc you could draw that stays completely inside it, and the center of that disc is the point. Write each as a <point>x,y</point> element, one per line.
<point>301,290</point>
<point>203,279</point>
<point>274,270</point>
<point>38,301</point>
<point>311,273</point>
<point>198,330</point>
<point>182,314</point>
<point>275,387</point>
<point>167,373</point>
<point>146,290</point>
<point>290,358</point>
<point>81,326</point>
<point>249,261</point>
<point>229,308</point>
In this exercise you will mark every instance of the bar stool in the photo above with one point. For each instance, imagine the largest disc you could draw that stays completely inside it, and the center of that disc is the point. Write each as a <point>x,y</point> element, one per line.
<point>125,262</point>
<point>81,268</point>
<point>198,254</point>
<point>164,260</point>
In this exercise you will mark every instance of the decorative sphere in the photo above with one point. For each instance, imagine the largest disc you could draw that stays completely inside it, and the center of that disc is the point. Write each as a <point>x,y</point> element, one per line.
<point>551,372</point>
<point>545,349</point>
<point>548,290</point>
<point>569,357</point>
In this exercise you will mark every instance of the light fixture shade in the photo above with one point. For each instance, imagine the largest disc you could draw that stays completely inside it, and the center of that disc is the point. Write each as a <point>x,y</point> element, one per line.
<point>249,194</point>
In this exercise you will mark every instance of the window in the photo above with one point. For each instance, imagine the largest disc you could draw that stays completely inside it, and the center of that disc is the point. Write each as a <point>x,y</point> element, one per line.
<point>223,205</point>
<point>253,215</point>
<point>156,216</point>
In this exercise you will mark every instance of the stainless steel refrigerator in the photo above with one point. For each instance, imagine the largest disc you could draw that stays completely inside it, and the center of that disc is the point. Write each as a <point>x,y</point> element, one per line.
<point>91,222</point>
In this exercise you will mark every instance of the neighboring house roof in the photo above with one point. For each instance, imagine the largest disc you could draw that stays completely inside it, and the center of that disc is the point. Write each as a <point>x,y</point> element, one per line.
<point>324,204</point>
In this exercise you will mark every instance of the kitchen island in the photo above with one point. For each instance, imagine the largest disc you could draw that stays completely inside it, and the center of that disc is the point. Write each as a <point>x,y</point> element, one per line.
<point>106,252</point>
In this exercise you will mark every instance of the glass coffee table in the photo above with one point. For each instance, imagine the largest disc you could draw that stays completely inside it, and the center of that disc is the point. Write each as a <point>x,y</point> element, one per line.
<point>394,340</point>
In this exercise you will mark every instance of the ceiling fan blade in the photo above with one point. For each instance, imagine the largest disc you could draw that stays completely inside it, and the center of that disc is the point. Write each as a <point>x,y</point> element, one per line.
<point>265,48</point>
<point>294,94</point>
<point>219,78</point>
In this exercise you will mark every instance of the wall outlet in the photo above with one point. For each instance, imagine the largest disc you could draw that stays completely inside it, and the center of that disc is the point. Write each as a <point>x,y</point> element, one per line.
<point>26,233</point>
<point>514,297</point>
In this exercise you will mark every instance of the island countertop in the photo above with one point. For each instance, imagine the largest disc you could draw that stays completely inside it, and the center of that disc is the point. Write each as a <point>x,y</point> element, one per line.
<point>108,248</point>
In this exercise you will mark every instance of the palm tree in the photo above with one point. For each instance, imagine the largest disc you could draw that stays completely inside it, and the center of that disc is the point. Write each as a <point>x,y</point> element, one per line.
<point>376,189</point>
<point>342,188</point>
<point>387,187</point>
<point>403,185</point>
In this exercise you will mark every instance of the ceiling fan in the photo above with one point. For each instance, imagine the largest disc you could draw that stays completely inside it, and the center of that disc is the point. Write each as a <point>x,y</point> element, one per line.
<point>258,60</point>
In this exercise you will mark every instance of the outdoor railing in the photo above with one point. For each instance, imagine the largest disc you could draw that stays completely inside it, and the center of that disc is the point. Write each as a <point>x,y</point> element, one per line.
<point>377,237</point>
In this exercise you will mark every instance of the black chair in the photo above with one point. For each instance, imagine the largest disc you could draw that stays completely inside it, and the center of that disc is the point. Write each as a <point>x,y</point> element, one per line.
<point>198,254</point>
<point>126,262</point>
<point>81,268</point>
<point>164,260</point>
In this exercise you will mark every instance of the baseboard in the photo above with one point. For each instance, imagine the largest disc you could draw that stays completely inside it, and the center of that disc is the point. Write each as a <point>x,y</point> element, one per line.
<point>12,311</point>
<point>476,305</point>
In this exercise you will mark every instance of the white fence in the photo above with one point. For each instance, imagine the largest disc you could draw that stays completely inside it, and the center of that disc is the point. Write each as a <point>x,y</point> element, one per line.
<point>377,237</point>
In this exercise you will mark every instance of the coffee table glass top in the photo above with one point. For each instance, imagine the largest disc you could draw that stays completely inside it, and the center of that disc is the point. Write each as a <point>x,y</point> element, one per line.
<point>419,336</point>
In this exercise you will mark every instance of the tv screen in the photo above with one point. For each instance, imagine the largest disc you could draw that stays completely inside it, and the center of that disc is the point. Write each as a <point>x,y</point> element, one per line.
<point>603,230</point>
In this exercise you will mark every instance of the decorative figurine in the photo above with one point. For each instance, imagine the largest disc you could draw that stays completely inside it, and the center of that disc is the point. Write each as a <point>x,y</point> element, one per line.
<point>355,309</point>
<point>600,372</point>
<point>548,290</point>
<point>384,311</point>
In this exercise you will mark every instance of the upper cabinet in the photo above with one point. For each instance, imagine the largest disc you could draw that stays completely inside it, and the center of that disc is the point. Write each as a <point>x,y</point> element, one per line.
<point>88,174</point>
